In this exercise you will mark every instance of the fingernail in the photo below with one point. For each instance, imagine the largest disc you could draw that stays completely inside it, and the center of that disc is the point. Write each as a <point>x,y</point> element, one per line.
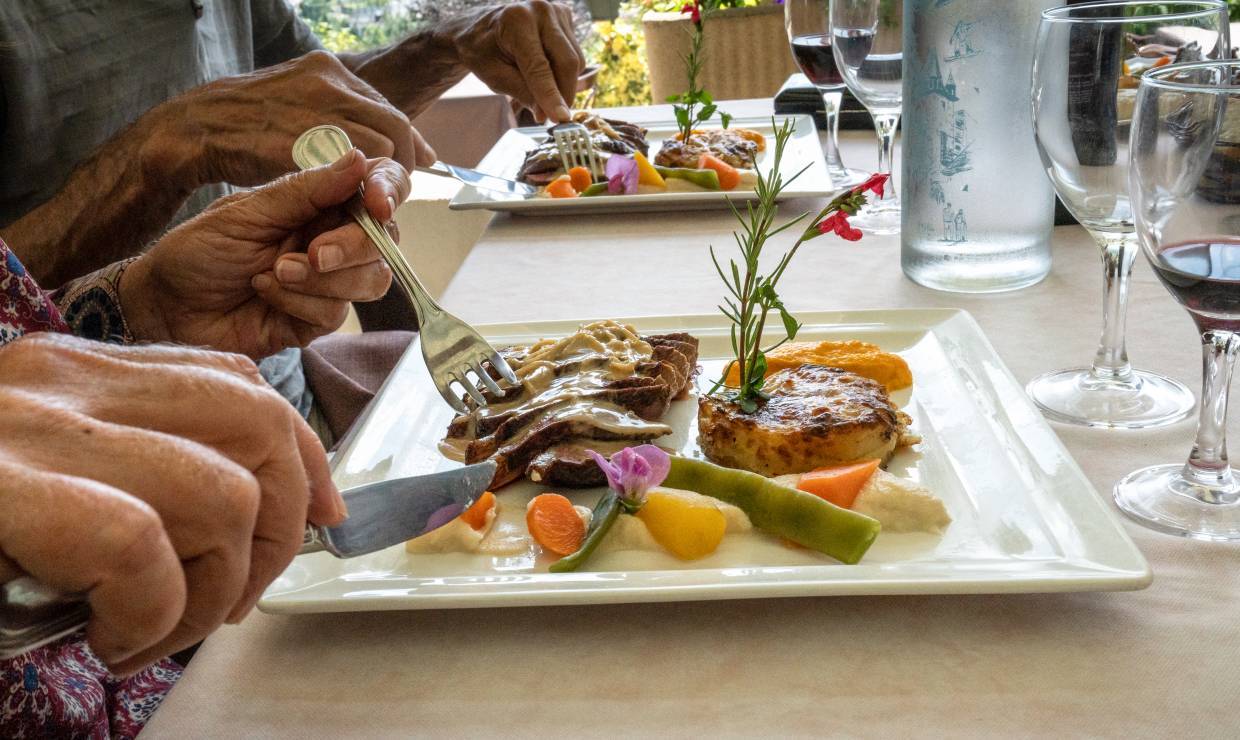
<point>291,271</point>
<point>391,207</point>
<point>330,257</point>
<point>342,511</point>
<point>260,282</point>
<point>562,112</point>
<point>346,161</point>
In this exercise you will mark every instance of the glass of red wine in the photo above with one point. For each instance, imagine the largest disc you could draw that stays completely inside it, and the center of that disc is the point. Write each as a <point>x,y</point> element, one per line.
<point>809,31</point>
<point>1184,184</point>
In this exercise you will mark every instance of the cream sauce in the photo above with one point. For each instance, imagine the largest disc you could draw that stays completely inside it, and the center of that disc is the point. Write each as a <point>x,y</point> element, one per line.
<point>558,374</point>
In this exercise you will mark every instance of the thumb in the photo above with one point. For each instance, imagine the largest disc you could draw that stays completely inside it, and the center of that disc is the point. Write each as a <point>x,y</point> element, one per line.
<point>297,199</point>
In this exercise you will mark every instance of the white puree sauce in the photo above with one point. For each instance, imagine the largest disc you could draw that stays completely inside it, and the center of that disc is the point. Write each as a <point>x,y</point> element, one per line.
<point>899,504</point>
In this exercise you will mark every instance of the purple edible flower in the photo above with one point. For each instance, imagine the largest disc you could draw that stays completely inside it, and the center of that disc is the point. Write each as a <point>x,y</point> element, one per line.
<point>621,175</point>
<point>633,471</point>
<point>442,516</point>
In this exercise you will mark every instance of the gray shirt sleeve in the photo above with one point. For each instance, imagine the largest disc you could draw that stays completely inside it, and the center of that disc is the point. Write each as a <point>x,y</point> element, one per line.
<point>279,34</point>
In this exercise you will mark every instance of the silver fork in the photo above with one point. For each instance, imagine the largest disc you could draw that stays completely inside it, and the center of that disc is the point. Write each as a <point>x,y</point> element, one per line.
<point>576,149</point>
<point>451,348</point>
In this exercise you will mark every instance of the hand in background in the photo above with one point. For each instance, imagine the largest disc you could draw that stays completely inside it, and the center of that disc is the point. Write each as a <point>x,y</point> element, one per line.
<point>526,50</point>
<point>172,488</point>
<point>241,129</point>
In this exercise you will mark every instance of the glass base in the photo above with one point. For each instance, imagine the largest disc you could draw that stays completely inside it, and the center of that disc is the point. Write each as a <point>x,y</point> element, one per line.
<point>883,221</point>
<point>845,178</point>
<point>1161,498</point>
<point>1077,397</point>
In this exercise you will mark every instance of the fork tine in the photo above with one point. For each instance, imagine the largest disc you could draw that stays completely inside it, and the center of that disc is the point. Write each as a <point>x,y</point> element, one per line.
<point>445,390</point>
<point>471,389</point>
<point>588,158</point>
<point>562,145</point>
<point>501,365</point>
<point>486,378</point>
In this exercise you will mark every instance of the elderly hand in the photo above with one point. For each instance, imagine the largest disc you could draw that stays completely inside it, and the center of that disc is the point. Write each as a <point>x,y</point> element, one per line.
<point>267,269</point>
<point>526,50</point>
<point>241,129</point>
<point>172,488</point>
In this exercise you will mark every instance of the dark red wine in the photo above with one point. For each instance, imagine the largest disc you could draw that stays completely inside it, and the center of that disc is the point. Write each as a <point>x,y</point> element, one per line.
<point>1205,277</point>
<point>814,57</point>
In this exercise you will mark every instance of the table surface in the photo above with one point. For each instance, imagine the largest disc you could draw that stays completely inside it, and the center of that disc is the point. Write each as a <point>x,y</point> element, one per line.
<point>1147,663</point>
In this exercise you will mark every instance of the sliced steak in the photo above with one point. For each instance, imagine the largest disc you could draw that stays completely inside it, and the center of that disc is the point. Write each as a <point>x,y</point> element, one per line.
<point>547,438</point>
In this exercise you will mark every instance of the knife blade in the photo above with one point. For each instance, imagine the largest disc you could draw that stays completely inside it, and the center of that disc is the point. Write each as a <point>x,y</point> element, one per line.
<point>390,512</point>
<point>480,179</point>
<point>380,515</point>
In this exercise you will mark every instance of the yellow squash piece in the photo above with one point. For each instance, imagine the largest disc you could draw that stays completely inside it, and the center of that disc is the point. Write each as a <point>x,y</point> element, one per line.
<point>687,526</point>
<point>646,173</point>
<point>862,358</point>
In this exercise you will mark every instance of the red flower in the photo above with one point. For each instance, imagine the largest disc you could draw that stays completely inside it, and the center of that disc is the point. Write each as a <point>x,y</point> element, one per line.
<point>694,10</point>
<point>838,222</point>
<point>875,185</point>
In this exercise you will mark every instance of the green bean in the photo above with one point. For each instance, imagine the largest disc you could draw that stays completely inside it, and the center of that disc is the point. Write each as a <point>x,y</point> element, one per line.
<point>779,510</point>
<point>703,178</point>
<point>604,515</point>
<point>598,188</point>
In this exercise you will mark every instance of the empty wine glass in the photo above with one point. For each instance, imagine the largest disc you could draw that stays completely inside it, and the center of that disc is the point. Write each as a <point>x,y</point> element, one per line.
<point>1185,186</point>
<point>868,43</point>
<point>1086,69</point>
<point>809,32</point>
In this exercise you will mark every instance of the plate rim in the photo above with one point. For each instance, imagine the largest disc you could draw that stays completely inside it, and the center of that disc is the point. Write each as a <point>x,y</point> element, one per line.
<point>616,203</point>
<point>1123,568</point>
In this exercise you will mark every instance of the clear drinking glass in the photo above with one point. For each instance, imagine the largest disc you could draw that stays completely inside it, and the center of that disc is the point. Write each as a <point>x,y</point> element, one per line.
<point>1085,74</point>
<point>868,43</point>
<point>1185,185</point>
<point>809,32</point>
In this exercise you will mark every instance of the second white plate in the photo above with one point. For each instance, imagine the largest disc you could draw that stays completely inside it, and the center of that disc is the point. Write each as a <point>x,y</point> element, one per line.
<point>1025,517</point>
<point>504,160</point>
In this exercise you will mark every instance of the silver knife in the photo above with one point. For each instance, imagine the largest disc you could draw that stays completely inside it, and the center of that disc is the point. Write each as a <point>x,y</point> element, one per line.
<point>479,179</point>
<point>380,515</point>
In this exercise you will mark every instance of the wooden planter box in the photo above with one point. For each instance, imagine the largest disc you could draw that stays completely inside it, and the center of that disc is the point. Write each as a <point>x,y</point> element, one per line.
<point>746,52</point>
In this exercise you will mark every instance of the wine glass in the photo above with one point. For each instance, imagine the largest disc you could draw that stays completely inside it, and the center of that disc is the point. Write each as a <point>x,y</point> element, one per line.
<point>1085,74</point>
<point>809,31</point>
<point>868,43</point>
<point>1185,187</point>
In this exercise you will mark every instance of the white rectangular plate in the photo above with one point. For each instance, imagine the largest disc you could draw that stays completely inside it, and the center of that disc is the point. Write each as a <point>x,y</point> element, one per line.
<point>1025,517</point>
<point>508,153</point>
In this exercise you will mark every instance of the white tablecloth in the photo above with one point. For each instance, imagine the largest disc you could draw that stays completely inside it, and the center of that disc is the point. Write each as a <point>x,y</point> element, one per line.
<point>1156,663</point>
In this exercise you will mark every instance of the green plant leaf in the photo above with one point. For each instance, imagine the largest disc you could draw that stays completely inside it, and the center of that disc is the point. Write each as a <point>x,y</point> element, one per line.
<point>725,119</point>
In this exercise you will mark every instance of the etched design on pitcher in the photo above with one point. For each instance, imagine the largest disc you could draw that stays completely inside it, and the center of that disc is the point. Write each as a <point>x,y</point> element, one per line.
<point>961,48</point>
<point>954,147</point>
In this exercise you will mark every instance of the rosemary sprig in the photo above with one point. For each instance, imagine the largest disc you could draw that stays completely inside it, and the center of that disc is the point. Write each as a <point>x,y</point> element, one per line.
<point>688,114</point>
<point>752,294</point>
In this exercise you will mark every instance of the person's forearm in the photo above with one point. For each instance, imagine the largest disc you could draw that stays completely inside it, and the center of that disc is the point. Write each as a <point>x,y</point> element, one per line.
<point>411,74</point>
<point>113,204</point>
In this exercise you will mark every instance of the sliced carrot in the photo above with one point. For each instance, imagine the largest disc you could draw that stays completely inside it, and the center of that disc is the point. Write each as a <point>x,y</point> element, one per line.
<point>729,178</point>
<point>840,484</point>
<point>1162,62</point>
<point>554,524</point>
<point>581,178</point>
<point>476,515</point>
<point>562,187</point>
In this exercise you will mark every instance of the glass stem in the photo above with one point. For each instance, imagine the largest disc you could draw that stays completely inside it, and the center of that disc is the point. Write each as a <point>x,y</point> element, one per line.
<point>1207,464</point>
<point>831,100</point>
<point>1111,362</point>
<point>885,126</point>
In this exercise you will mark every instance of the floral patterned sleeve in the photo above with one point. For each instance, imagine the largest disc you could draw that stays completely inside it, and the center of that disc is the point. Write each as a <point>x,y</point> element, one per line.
<point>92,308</point>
